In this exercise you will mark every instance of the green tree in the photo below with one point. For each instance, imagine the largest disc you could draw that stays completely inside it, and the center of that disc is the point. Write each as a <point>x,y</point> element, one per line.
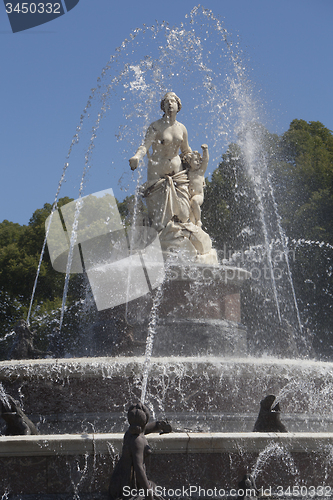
<point>304,184</point>
<point>303,180</point>
<point>290,179</point>
<point>230,208</point>
<point>20,248</point>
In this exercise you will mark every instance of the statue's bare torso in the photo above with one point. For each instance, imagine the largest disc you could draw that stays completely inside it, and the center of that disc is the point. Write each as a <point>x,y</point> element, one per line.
<point>166,137</point>
<point>166,140</point>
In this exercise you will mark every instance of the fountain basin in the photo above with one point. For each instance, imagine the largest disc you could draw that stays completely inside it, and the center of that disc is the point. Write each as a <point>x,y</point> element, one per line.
<point>83,395</point>
<point>81,464</point>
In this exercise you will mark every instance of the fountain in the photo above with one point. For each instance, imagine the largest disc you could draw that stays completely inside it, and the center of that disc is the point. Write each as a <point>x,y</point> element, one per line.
<point>182,349</point>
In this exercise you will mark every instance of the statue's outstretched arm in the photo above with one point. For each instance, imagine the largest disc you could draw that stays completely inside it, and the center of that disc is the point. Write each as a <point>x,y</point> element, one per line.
<point>142,150</point>
<point>159,426</point>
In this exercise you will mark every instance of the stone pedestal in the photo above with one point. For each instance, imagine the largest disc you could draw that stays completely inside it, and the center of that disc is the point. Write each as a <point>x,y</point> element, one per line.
<point>196,312</point>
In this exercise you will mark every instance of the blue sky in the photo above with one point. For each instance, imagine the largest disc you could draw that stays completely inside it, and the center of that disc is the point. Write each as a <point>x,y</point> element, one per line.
<point>47,74</point>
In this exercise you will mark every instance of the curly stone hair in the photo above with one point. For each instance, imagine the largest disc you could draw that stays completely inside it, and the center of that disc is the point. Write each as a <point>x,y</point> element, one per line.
<point>173,95</point>
<point>186,158</point>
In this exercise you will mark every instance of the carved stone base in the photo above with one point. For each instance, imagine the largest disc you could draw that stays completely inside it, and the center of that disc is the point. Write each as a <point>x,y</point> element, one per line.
<point>196,312</point>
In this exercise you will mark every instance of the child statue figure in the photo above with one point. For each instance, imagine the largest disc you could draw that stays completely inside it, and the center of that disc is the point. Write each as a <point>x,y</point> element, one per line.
<point>129,474</point>
<point>196,166</point>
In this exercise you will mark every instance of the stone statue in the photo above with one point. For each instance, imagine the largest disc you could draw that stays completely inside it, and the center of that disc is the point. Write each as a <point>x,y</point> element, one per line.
<point>23,347</point>
<point>197,166</point>
<point>17,422</point>
<point>167,183</point>
<point>130,470</point>
<point>167,192</point>
<point>269,417</point>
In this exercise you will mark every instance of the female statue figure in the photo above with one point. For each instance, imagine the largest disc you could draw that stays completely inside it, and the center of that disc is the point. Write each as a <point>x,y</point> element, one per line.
<point>166,192</point>
<point>167,188</point>
<point>130,473</point>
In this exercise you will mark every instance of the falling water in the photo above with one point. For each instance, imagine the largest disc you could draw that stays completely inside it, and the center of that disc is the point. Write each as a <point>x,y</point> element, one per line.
<point>70,254</point>
<point>274,450</point>
<point>3,398</point>
<point>78,475</point>
<point>199,55</point>
<point>54,207</point>
<point>285,250</point>
<point>253,154</point>
<point>150,341</point>
<point>269,252</point>
<point>10,334</point>
<point>320,244</point>
<point>328,462</point>
<point>74,141</point>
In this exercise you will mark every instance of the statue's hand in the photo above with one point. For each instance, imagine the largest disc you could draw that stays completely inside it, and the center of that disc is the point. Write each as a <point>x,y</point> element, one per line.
<point>134,162</point>
<point>164,427</point>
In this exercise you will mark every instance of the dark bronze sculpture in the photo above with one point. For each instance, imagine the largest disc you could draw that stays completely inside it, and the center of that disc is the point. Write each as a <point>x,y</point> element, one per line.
<point>247,488</point>
<point>17,422</point>
<point>130,474</point>
<point>23,347</point>
<point>269,417</point>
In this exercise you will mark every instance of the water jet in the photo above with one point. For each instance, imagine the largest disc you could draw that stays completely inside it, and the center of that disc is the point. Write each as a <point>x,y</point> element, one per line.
<point>184,352</point>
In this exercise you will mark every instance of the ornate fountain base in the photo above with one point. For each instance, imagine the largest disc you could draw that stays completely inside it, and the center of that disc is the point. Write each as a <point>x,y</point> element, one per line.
<point>85,396</point>
<point>204,384</point>
<point>80,466</point>
<point>196,312</point>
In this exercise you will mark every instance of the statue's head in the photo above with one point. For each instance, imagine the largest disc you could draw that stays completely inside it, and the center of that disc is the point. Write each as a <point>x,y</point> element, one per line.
<point>192,160</point>
<point>138,416</point>
<point>267,403</point>
<point>167,95</point>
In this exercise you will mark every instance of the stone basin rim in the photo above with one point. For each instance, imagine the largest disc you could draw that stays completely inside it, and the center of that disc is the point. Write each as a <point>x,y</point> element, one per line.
<point>174,443</point>
<point>162,360</point>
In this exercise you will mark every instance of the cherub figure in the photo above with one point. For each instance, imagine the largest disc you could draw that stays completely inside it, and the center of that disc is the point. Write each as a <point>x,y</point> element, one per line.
<point>197,166</point>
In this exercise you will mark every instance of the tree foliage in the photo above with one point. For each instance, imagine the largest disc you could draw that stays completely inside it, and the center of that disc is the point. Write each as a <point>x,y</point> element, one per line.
<point>230,208</point>
<point>20,248</point>
<point>289,189</point>
<point>303,181</point>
